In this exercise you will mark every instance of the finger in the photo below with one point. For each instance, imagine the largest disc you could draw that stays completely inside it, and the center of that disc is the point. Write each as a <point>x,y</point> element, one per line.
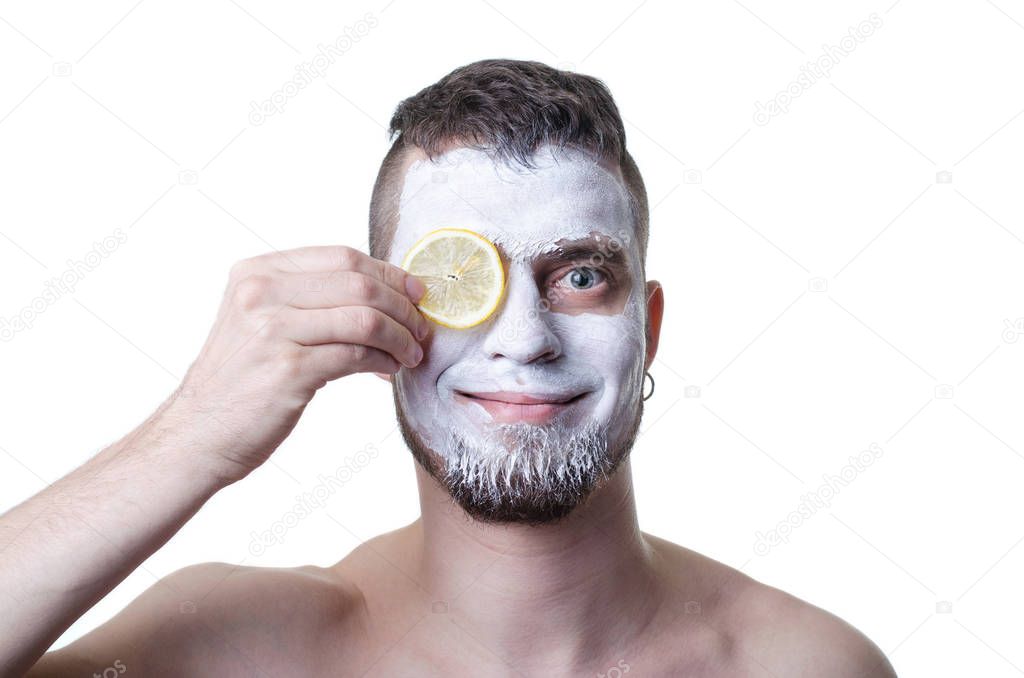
<point>350,288</point>
<point>351,325</point>
<point>329,258</point>
<point>305,259</point>
<point>333,361</point>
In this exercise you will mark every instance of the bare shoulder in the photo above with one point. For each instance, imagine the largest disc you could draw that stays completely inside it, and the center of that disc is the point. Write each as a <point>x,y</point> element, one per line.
<point>796,638</point>
<point>216,619</point>
<point>764,631</point>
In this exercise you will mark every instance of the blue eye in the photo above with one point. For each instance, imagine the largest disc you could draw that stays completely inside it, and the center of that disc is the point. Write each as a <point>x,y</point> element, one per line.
<point>583,278</point>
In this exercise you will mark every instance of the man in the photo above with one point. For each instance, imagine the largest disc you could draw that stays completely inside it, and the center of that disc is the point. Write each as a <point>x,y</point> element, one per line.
<point>527,559</point>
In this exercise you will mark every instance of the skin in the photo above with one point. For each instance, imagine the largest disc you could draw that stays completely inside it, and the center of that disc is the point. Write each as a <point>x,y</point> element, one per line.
<point>445,595</point>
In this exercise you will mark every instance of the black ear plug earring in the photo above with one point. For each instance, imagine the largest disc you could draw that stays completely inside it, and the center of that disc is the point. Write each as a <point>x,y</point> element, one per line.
<point>647,375</point>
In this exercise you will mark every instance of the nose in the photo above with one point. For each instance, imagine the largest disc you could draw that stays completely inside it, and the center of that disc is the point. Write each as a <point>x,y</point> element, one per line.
<point>521,332</point>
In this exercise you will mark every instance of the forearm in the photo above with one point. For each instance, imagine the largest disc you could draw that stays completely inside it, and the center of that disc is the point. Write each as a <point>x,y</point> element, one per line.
<point>264,359</point>
<point>65,548</point>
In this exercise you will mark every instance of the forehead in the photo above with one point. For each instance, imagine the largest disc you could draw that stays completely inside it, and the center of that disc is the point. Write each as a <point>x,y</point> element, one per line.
<point>526,212</point>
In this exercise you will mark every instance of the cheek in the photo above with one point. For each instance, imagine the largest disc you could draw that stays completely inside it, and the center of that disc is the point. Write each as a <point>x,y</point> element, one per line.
<point>610,345</point>
<point>417,387</point>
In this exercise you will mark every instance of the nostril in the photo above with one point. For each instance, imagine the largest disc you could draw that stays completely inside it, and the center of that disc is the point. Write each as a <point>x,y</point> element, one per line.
<point>539,347</point>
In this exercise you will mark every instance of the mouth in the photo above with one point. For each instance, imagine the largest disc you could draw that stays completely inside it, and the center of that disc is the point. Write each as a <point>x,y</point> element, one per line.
<point>511,407</point>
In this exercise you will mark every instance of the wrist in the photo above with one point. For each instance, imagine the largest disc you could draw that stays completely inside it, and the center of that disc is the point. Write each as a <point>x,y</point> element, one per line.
<point>182,441</point>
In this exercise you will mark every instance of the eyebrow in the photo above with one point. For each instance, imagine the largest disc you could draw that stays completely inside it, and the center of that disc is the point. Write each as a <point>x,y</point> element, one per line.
<point>585,249</point>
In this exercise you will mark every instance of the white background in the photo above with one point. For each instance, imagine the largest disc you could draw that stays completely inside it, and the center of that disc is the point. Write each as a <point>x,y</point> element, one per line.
<point>826,290</point>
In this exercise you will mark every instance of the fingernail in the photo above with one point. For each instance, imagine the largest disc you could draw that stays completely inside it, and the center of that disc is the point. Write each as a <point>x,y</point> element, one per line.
<point>421,331</point>
<point>414,287</point>
<point>417,355</point>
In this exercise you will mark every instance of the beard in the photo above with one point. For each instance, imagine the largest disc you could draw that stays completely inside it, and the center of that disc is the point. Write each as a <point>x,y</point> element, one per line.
<point>521,473</point>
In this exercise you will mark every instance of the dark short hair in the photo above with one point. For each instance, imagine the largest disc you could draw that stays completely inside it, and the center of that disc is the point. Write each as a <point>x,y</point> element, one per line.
<point>509,108</point>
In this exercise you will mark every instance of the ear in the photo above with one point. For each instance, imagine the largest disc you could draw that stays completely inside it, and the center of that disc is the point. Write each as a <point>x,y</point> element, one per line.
<point>655,309</point>
<point>383,375</point>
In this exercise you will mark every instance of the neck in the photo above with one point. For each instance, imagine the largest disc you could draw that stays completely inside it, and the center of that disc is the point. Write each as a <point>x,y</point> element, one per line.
<point>551,593</point>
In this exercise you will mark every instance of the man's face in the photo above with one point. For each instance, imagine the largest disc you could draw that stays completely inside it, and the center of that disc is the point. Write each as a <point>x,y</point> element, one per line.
<point>521,416</point>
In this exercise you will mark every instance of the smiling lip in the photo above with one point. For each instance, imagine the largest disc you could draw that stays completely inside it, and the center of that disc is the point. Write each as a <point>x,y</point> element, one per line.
<point>508,407</point>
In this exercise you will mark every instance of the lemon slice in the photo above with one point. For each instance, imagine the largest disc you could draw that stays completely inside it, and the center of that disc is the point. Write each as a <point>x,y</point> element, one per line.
<point>463,275</point>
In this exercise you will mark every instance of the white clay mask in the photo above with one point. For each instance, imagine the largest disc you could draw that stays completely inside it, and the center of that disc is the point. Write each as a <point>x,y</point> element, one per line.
<point>566,343</point>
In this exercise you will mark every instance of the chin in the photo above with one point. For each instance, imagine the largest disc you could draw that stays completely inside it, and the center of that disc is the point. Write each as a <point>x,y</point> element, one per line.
<point>520,472</point>
<point>521,509</point>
